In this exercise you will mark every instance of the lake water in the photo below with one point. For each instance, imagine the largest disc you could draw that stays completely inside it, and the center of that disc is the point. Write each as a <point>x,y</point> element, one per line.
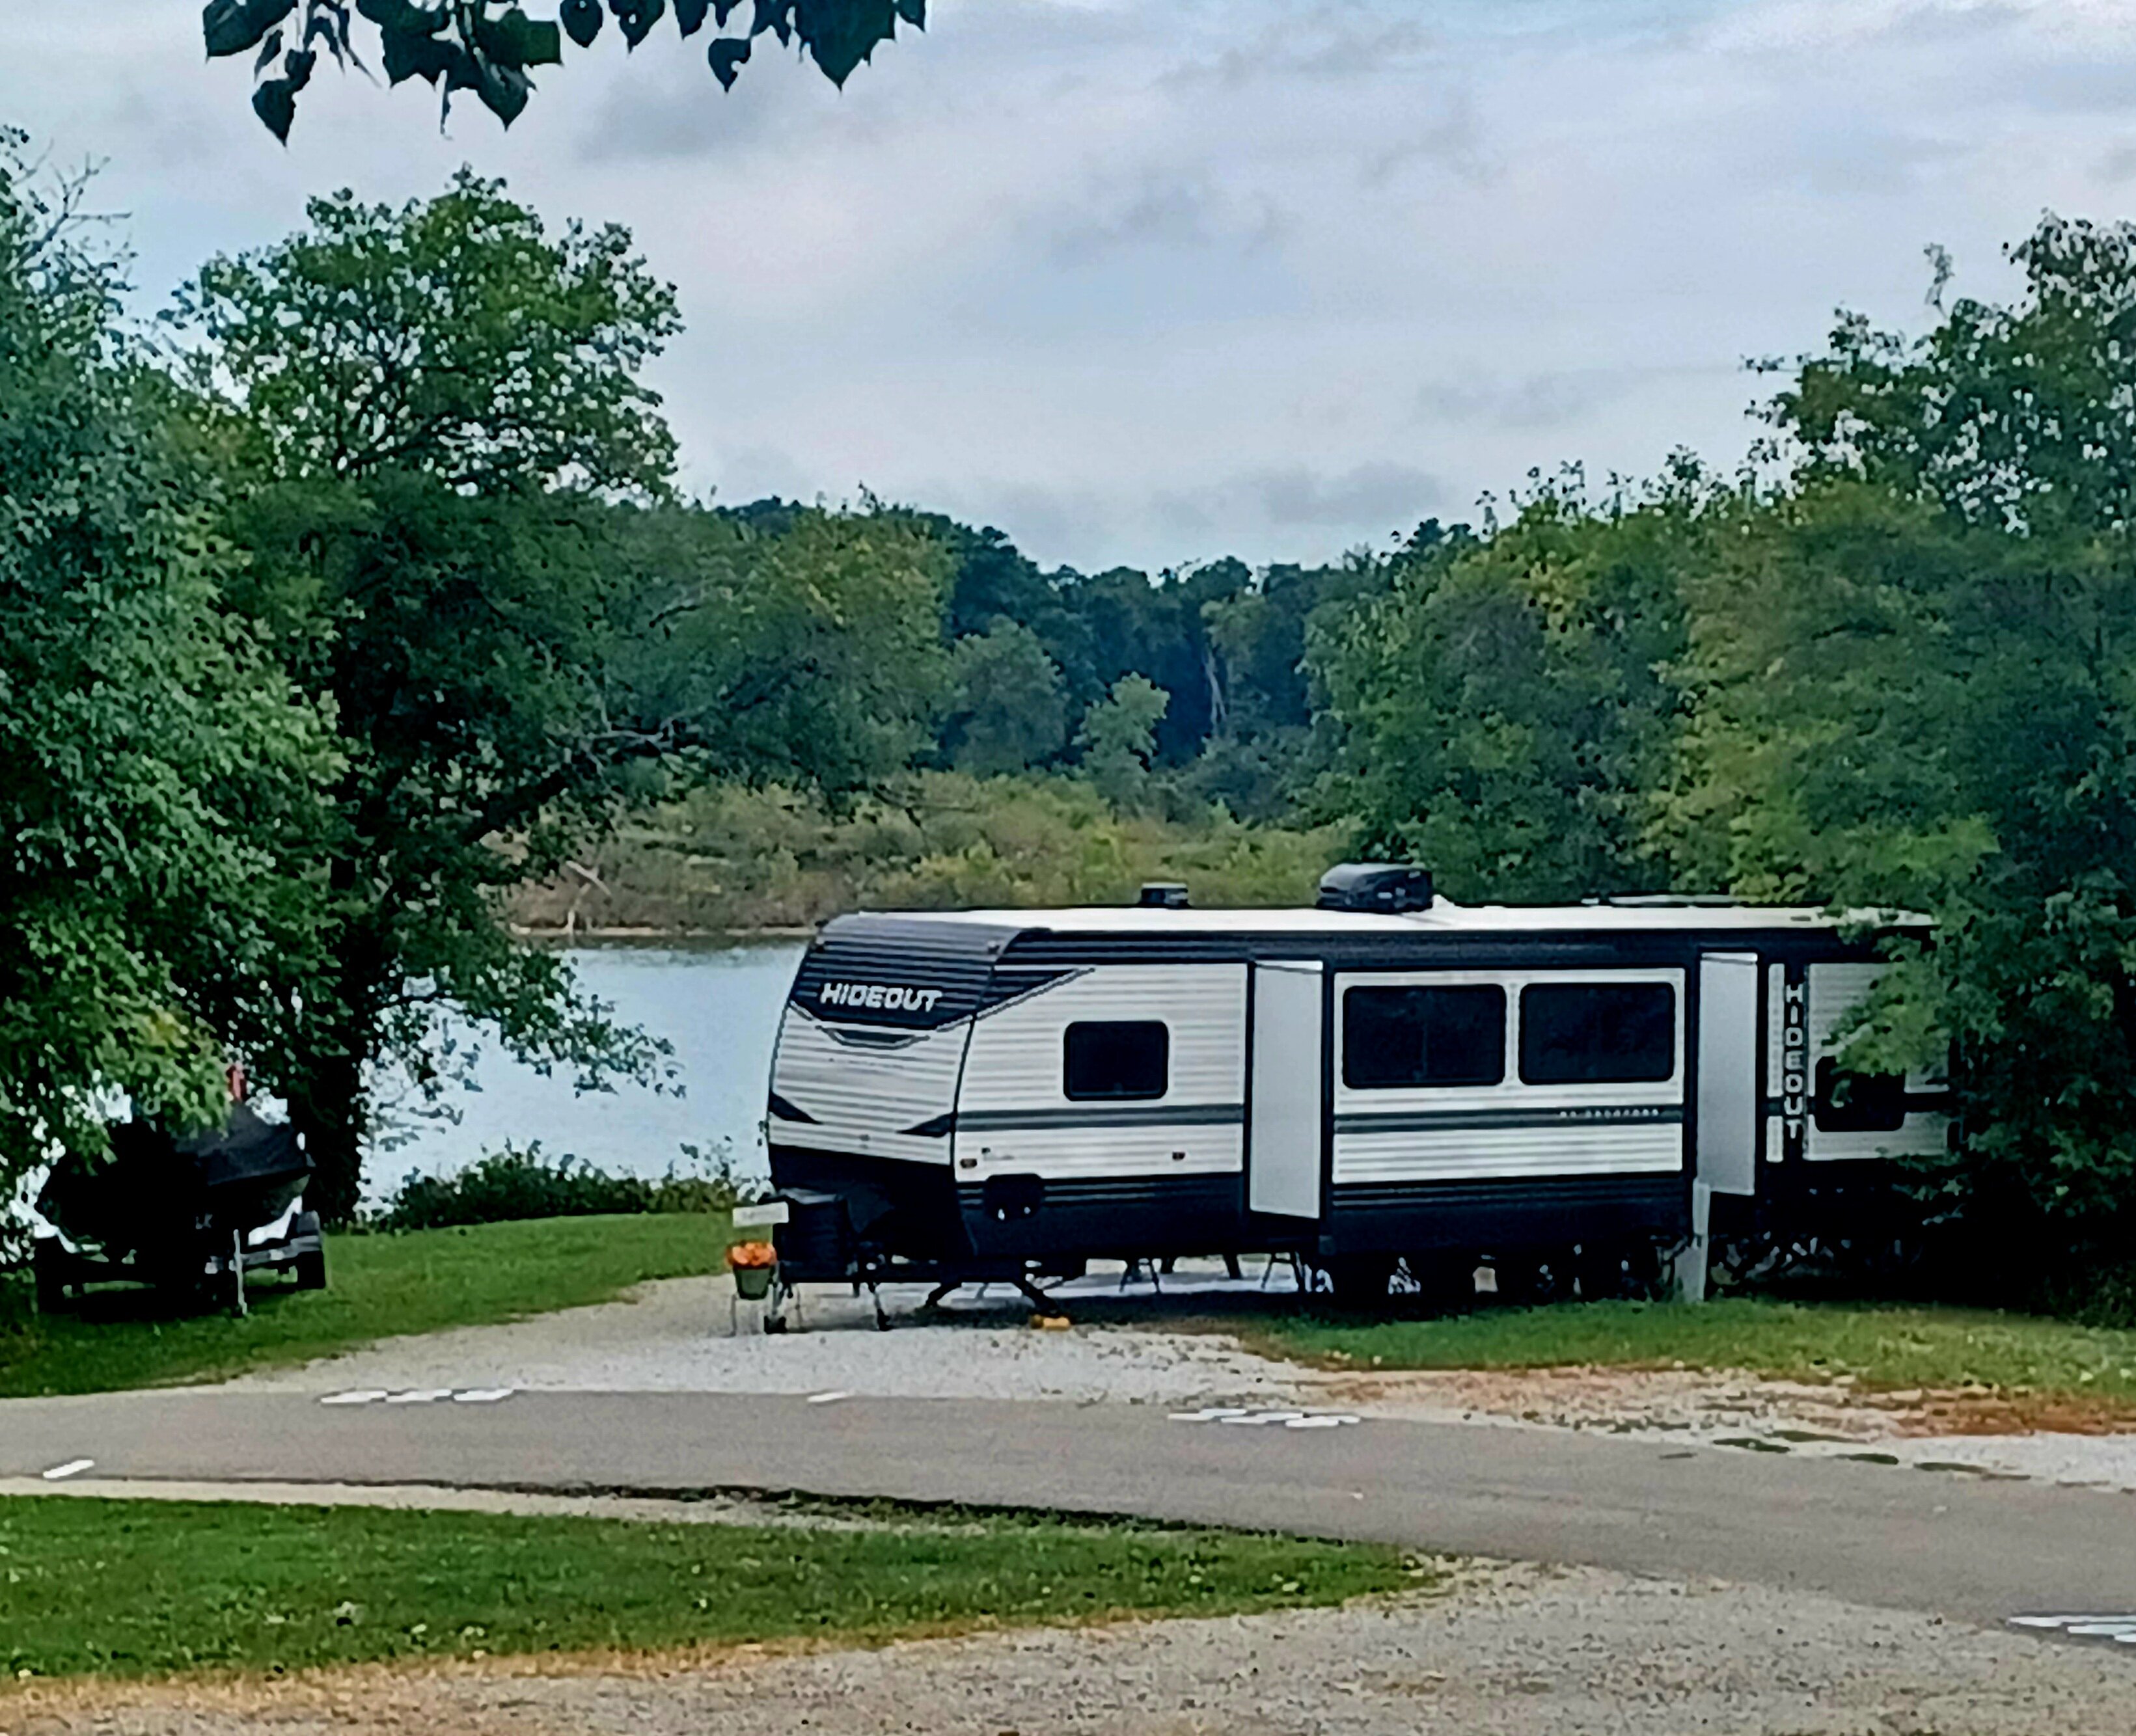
<point>718,1005</point>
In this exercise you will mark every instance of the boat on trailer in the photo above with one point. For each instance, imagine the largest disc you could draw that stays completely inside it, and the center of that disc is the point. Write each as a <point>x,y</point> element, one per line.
<point>1594,1093</point>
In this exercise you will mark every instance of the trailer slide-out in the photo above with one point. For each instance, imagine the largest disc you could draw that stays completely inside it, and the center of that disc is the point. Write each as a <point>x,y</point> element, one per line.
<point>1580,1089</point>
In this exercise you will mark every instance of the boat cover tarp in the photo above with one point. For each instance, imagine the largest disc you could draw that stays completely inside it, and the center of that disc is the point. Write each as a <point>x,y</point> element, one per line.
<point>152,1190</point>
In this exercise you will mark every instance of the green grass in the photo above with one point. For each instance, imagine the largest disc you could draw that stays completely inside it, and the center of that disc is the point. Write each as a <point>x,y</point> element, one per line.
<point>1887,1347</point>
<point>133,1589</point>
<point>380,1286</point>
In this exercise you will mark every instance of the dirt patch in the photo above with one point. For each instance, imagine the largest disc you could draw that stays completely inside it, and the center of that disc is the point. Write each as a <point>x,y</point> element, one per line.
<point>1980,1412</point>
<point>1628,1399</point>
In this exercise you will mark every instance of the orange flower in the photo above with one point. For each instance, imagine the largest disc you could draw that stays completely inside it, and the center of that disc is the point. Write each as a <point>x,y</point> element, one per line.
<point>752,1253</point>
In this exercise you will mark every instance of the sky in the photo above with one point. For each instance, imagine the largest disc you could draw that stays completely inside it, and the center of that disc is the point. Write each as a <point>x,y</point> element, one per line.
<point>1154,283</point>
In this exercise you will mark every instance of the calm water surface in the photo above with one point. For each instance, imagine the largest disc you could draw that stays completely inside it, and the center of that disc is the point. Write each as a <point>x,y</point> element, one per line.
<point>718,1007</point>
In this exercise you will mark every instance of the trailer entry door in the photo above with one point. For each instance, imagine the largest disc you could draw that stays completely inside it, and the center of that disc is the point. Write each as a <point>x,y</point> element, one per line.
<point>1283,1144</point>
<point>1728,1072</point>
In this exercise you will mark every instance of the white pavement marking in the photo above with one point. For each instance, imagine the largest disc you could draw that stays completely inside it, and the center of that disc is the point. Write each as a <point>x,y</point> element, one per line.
<point>421,1395</point>
<point>73,1467</point>
<point>368,1396</point>
<point>831,1397</point>
<point>2120,1629</point>
<point>1233,1416</point>
<point>482,1395</point>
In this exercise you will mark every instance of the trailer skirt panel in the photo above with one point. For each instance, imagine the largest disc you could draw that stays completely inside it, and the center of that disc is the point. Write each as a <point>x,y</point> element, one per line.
<point>1408,1217</point>
<point>1100,1217</point>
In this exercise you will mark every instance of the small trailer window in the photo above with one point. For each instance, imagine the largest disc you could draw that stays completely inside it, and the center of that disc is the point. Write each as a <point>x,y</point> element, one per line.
<point>1412,1036</point>
<point>1116,1058</point>
<point>1598,1033</point>
<point>1858,1102</point>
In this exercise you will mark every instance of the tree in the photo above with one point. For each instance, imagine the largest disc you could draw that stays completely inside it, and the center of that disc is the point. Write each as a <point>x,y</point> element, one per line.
<point>1505,711</point>
<point>153,761</point>
<point>490,47</point>
<point>1118,737</point>
<point>1008,711</point>
<point>437,409</point>
<point>1917,687</point>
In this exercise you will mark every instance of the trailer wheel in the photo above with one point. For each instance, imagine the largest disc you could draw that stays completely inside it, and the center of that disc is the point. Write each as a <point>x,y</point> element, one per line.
<point>50,1261</point>
<point>1445,1280</point>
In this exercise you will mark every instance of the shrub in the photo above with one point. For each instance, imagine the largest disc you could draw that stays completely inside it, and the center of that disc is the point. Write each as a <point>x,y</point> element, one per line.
<point>516,1182</point>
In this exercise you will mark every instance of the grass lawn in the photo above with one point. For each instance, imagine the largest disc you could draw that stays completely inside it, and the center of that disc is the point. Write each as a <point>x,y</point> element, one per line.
<point>132,1588</point>
<point>1888,1347</point>
<point>380,1286</point>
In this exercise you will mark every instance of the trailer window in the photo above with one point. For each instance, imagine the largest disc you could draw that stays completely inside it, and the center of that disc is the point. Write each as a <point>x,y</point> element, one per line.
<point>1598,1033</point>
<point>1410,1036</point>
<point>1116,1058</point>
<point>1858,1102</point>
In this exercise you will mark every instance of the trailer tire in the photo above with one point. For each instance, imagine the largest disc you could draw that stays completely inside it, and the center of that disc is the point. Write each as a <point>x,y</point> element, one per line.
<point>49,1261</point>
<point>1445,1280</point>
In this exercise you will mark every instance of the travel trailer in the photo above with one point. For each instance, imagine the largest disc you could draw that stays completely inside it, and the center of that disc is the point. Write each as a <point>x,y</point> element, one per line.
<point>1575,1093</point>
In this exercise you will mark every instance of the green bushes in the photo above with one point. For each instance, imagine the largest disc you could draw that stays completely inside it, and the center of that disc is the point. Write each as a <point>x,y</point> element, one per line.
<point>731,859</point>
<point>518,1183</point>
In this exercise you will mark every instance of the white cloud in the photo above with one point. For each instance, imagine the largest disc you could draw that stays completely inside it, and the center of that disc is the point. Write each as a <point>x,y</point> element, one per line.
<point>1155,283</point>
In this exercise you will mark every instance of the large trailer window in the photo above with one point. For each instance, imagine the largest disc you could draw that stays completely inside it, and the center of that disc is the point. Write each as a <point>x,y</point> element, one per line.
<point>1598,1033</point>
<point>1858,1102</point>
<point>1411,1036</point>
<point>1115,1059</point>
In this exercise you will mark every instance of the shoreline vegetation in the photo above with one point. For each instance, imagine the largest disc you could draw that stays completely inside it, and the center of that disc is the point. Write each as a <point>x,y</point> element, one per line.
<point>728,863</point>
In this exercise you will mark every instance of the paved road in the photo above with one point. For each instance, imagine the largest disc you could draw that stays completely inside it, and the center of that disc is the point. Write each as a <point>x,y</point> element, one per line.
<point>1901,1538</point>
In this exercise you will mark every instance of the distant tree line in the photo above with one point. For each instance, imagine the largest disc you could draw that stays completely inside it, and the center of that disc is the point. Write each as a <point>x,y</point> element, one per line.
<point>358,595</point>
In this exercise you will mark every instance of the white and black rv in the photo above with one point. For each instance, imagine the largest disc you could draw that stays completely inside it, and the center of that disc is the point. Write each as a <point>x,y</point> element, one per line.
<point>1007,1095</point>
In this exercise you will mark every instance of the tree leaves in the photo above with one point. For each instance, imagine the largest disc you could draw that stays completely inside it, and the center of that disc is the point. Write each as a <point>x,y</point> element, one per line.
<point>637,18</point>
<point>581,20</point>
<point>232,26</point>
<point>503,90</point>
<point>842,33</point>
<point>401,15</point>
<point>275,101</point>
<point>516,41</point>
<point>408,54</point>
<point>726,56</point>
<point>489,46</point>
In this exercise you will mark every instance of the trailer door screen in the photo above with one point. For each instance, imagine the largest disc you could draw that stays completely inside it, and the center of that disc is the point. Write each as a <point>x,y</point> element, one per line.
<point>1598,1033</point>
<point>1116,1058</point>
<point>1407,1036</point>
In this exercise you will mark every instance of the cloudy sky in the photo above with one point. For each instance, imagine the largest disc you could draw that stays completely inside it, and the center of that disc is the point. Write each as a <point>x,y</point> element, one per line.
<point>1154,283</point>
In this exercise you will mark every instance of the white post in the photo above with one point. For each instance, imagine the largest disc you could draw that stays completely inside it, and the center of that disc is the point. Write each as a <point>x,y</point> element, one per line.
<point>1691,1262</point>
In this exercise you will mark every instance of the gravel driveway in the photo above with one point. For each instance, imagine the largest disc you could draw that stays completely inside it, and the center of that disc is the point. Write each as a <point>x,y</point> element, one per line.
<point>1509,1652</point>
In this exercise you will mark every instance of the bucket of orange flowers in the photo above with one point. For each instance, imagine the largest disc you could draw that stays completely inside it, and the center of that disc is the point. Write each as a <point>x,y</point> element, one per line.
<point>755,1265</point>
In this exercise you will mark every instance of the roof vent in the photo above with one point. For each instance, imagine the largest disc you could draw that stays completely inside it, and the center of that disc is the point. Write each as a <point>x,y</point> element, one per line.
<point>1389,889</point>
<point>1162,896</point>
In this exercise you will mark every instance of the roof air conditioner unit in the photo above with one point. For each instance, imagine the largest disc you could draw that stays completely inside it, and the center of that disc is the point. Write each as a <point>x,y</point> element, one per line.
<point>1386,888</point>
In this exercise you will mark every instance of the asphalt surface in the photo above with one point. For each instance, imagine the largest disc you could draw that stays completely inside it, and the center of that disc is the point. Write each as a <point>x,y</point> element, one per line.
<point>1945,1543</point>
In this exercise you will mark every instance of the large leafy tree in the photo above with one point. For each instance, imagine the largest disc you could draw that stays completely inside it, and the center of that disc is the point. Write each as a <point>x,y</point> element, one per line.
<point>1917,679</point>
<point>154,764</point>
<point>1008,709</point>
<point>493,47</point>
<point>438,410</point>
<point>1506,709</point>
